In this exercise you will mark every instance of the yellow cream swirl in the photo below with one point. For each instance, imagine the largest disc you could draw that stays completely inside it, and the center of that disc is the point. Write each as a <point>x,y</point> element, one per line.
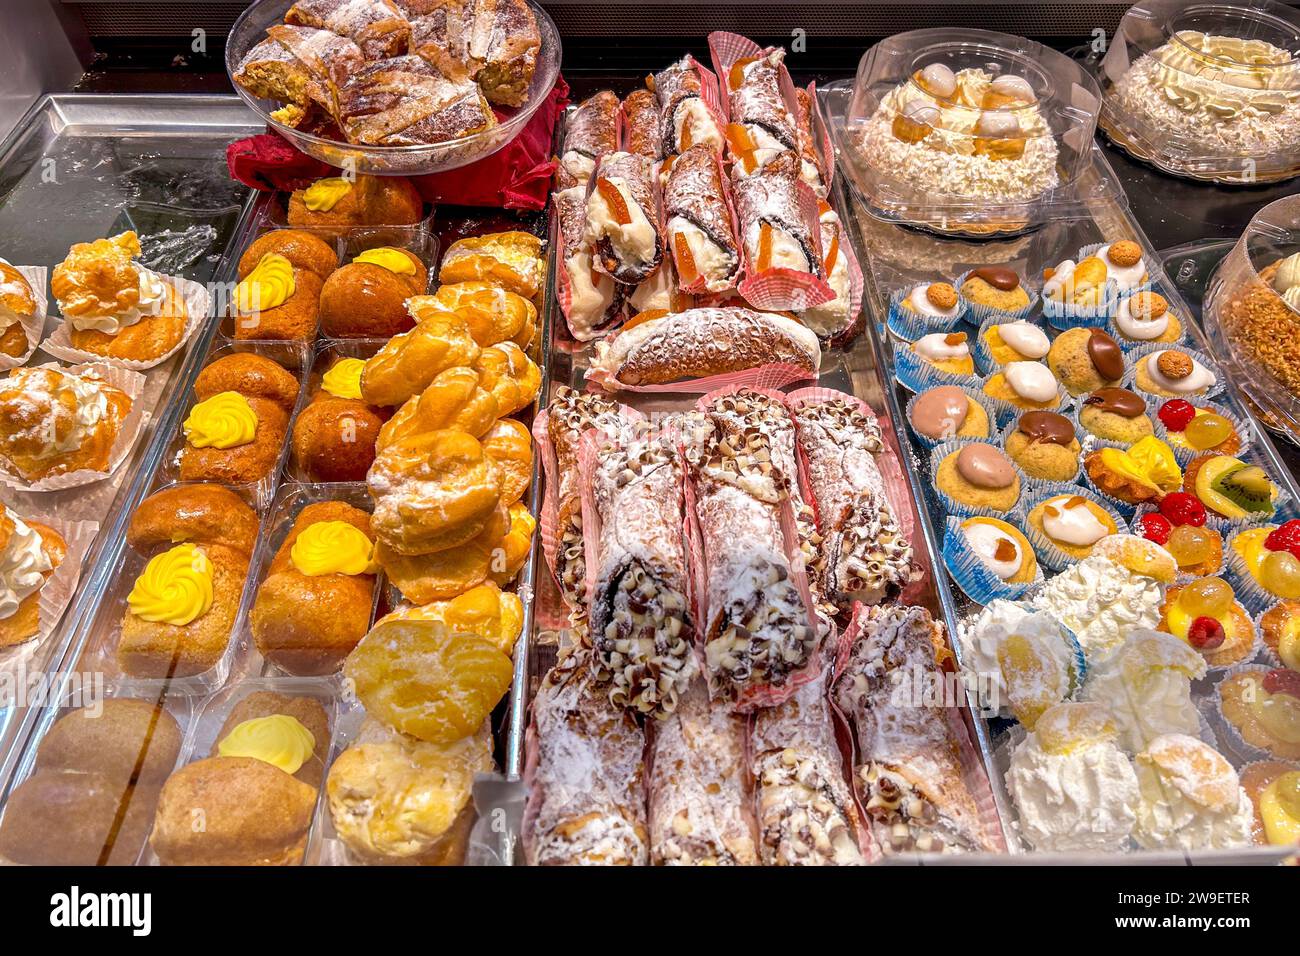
<point>174,588</point>
<point>225,420</point>
<point>343,379</point>
<point>332,547</point>
<point>280,740</point>
<point>268,286</point>
<point>324,194</point>
<point>394,260</point>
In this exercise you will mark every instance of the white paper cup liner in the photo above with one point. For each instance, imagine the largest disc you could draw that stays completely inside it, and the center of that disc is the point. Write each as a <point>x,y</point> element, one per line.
<point>130,382</point>
<point>197,303</point>
<point>1135,357</point>
<point>33,324</point>
<point>59,588</point>
<point>1227,730</point>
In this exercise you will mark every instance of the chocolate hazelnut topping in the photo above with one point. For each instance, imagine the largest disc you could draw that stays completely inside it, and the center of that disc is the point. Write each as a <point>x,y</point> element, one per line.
<point>1047,427</point>
<point>999,277</point>
<point>1117,401</point>
<point>985,467</point>
<point>1106,356</point>
<point>940,412</point>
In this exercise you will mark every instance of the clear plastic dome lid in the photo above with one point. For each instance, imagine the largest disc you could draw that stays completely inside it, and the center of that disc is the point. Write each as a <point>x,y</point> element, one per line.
<point>969,130</point>
<point>1207,90</point>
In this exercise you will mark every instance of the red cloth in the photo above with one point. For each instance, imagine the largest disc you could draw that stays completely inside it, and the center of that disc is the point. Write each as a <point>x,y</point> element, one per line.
<point>517,176</point>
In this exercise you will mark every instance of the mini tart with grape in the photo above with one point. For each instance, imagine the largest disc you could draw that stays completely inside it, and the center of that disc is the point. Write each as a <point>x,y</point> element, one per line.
<point>1270,564</point>
<point>1279,628</point>
<point>1199,567</point>
<point>1263,706</point>
<point>1174,415</point>
<point>1072,523</point>
<point>1230,487</point>
<point>1274,789</point>
<point>1005,545</point>
<point>1238,630</point>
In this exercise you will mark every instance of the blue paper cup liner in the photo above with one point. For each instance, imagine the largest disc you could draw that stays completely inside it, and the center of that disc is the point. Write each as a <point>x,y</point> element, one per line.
<point>1185,455</point>
<point>910,325</point>
<point>975,395</point>
<point>977,314</point>
<point>1092,248</point>
<point>969,573</point>
<point>916,374</point>
<point>1009,411</point>
<point>1034,481</point>
<point>1049,553</point>
<point>1211,522</point>
<point>1137,356</point>
<point>1129,345</point>
<point>984,360</point>
<point>1090,440</point>
<point>1068,315</point>
<point>950,504</point>
<point>1227,730</point>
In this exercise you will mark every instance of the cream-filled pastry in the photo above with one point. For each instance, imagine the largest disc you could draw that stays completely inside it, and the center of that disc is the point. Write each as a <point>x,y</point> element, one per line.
<point>54,421</point>
<point>1192,799</point>
<point>1024,654</point>
<point>1146,684</point>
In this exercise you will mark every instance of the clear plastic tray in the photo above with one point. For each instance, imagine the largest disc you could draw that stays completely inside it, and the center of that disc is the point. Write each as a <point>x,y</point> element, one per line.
<point>327,351</point>
<point>250,29</point>
<point>1209,91</point>
<point>1253,333</point>
<point>967,132</point>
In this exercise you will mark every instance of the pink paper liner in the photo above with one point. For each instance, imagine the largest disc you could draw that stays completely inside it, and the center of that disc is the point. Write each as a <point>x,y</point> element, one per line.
<point>789,290</point>
<point>58,590</point>
<point>132,383</point>
<point>198,303</point>
<point>821,135</point>
<point>725,49</point>
<point>587,451</point>
<point>34,324</point>
<point>857,286</point>
<point>774,375</point>
<point>548,521</point>
<point>711,94</point>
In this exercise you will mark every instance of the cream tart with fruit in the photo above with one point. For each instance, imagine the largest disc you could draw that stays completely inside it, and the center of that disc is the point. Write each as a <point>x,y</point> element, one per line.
<point>1280,630</point>
<point>1230,487</point>
<point>1270,555</point>
<point>1179,527</point>
<point>1274,789</point>
<point>1263,707</point>
<point>1147,471</point>
<point>1198,428</point>
<point>1207,615</point>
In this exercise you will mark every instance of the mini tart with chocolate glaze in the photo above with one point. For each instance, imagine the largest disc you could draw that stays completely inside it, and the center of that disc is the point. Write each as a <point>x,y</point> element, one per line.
<point>1044,445</point>
<point>1145,472</point>
<point>1279,626</point>
<point>945,411</point>
<point>1085,360</point>
<point>980,476</point>
<point>1144,318</point>
<point>997,544</point>
<point>1264,708</point>
<point>1027,385</point>
<point>995,287</point>
<point>1277,819</point>
<point>1177,436</point>
<point>1238,630</point>
<point>1072,523</point>
<point>1019,341</point>
<point>1172,373</point>
<point>1116,414</point>
<point>946,351</point>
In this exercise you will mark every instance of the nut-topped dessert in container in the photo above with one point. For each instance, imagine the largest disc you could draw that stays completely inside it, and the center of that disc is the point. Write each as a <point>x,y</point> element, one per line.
<point>1208,90</point>
<point>967,131</point>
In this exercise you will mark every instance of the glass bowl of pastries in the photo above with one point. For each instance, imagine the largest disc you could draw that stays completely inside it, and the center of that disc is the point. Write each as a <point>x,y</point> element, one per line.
<point>968,132</point>
<point>394,87</point>
<point>1252,315</point>
<point>1209,91</point>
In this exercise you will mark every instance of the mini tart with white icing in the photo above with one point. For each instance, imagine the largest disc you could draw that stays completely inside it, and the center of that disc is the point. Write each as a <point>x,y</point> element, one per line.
<point>1124,264</point>
<point>1027,385</point>
<point>1072,523</point>
<point>947,351</point>
<point>934,300</point>
<point>1173,373</point>
<point>1144,317</point>
<point>1002,548</point>
<point>1019,341</point>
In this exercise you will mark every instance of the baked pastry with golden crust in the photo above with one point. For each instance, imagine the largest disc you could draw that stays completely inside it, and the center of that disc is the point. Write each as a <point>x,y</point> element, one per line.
<point>301,66</point>
<point>370,201</point>
<point>29,553</point>
<point>316,600</point>
<point>510,444</point>
<point>495,42</point>
<point>511,377</point>
<point>17,302</point>
<point>125,739</point>
<point>69,818</point>
<point>305,250</point>
<point>249,374</point>
<point>277,301</point>
<point>254,815</point>
<point>458,398</point>
<point>335,433</point>
<point>492,313</point>
<point>403,101</point>
<point>511,260</point>
<point>53,421</point>
<point>235,432</point>
<point>307,711</point>
<point>367,297</point>
<point>409,362</point>
<point>376,26</point>
<point>202,513</point>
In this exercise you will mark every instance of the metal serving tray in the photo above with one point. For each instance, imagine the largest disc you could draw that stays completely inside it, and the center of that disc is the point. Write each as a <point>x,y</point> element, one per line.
<point>896,256</point>
<point>79,167</point>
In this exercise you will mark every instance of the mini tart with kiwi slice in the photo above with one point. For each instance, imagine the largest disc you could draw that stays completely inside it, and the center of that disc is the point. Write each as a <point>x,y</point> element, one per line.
<point>1279,628</point>
<point>1263,706</point>
<point>1027,385</point>
<point>1147,471</point>
<point>1072,523</point>
<point>1230,487</point>
<point>946,351</point>
<point>1274,788</point>
<point>1207,615</point>
<point>1002,548</point>
<point>1271,554</point>
<point>1198,428</point>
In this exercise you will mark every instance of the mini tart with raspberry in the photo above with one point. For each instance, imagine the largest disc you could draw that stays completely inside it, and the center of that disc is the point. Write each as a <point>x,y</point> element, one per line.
<point>1279,628</point>
<point>1238,631</point>
<point>1263,706</point>
<point>1277,819</point>
<point>1257,546</point>
<point>1176,429</point>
